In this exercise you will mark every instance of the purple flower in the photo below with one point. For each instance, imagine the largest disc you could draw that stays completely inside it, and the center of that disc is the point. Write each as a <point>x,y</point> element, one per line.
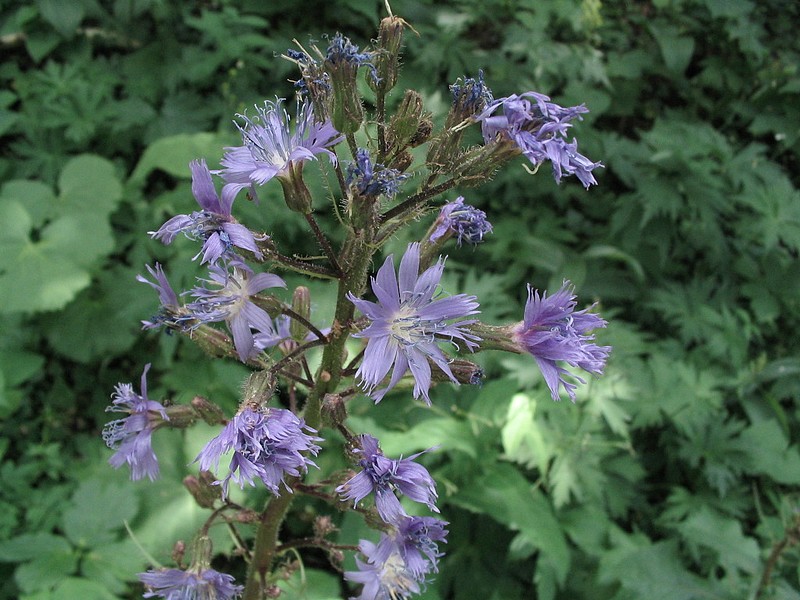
<point>130,437</point>
<point>174,584</point>
<point>415,540</point>
<point>341,51</point>
<point>406,324</point>
<point>553,331</point>
<point>466,222</point>
<point>538,128</point>
<point>269,148</point>
<point>470,96</point>
<point>385,578</point>
<point>267,445</point>
<point>383,476</point>
<point>230,302</point>
<point>371,182</point>
<point>214,224</point>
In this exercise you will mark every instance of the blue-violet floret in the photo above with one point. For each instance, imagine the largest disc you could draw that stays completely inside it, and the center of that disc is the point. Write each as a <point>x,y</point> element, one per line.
<point>465,222</point>
<point>175,584</point>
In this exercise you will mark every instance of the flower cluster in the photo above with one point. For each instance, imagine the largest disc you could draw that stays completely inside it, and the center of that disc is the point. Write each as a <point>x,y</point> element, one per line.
<point>538,128</point>
<point>267,444</point>
<point>410,329</point>
<point>399,564</point>
<point>174,584</point>
<point>131,436</point>
<point>407,323</point>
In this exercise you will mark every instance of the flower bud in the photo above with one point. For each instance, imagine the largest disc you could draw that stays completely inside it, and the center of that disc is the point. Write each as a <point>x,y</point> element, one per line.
<point>301,304</point>
<point>178,550</point>
<point>390,38</point>
<point>180,416</point>
<point>405,123</point>
<point>202,489</point>
<point>341,63</point>
<point>334,410</point>
<point>465,372</point>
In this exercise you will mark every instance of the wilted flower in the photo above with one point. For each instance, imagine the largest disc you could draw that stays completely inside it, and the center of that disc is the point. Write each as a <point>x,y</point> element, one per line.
<point>174,584</point>
<point>341,51</point>
<point>538,128</point>
<point>384,579</point>
<point>470,96</point>
<point>269,148</point>
<point>230,301</point>
<point>465,222</point>
<point>130,437</point>
<point>373,181</point>
<point>407,323</point>
<point>553,331</point>
<point>267,444</point>
<point>214,224</point>
<point>383,476</point>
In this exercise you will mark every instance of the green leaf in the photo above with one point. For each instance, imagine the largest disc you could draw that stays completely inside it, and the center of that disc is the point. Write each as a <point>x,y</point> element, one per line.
<point>524,441</point>
<point>767,451</point>
<point>46,570</point>
<point>88,184</point>
<point>43,269</point>
<point>310,584</point>
<point>63,16</point>
<point>98,510</point>
<point>507,497</point>
<point>173,154</point>
<point>75,587</point>
<point>31,545</point>
<point>113,565</point>
<point>36,197</point>
<point>710,529</point>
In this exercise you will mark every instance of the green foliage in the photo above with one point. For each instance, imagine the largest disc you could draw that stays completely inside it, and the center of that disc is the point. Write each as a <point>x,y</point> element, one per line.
<point>672,477</point>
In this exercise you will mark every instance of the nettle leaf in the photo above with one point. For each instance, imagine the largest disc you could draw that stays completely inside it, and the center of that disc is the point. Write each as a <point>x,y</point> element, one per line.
<point>524,441</point>
<point>47,252</point>
<point>709,529</point>
<point>63,16</point>
<point>503,494</point>
<point>767,451</point>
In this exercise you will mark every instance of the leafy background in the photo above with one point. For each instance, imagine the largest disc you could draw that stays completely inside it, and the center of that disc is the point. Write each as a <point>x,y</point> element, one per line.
<point>675,476</point>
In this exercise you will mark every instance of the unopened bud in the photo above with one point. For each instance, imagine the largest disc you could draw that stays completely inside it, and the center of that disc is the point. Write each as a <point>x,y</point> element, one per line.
<point>334,410</point>
<point>273,591</point>
<point>180,416</point>
<point>178,551</point>
<point>390,38</point>
<point>301,304</point>
<point>402,161</point>
<point>341,63</point>
<point>258,389</point>
<point>423,133</point>
<point>405,122</point>
<point>202,489</point>
<point>323,526</point>
<point>465,372</point>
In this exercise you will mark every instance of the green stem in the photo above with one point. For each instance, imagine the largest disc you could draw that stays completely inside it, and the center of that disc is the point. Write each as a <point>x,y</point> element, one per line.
<point>355,257</point>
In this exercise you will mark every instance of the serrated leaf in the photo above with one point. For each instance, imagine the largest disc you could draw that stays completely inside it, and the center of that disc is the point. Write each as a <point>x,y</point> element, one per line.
<point>523,440</point>
<point>98,510</point>
<point>113,565</point>
<point>724,535</point>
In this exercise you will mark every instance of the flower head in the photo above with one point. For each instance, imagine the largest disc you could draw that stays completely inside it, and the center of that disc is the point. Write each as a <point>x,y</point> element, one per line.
<point>229,300</point>
<point>384,476</point>
<point>130,437</point>
<point>174,584</point>
<point>538,128</point>
<point>267,445</point>
<point>553,331</point>
<point>269,148</point>
<point>213,224</point>
<point>341,51</point>
<point>466,222</point>
<point>470,96</point>
<point>373,181</point>
<point>384,578</point>
<point>415,539</point>
<point>407,323</point>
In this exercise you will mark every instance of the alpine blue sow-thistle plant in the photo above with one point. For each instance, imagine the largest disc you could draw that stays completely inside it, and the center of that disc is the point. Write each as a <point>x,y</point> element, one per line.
<point>399,322</point>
